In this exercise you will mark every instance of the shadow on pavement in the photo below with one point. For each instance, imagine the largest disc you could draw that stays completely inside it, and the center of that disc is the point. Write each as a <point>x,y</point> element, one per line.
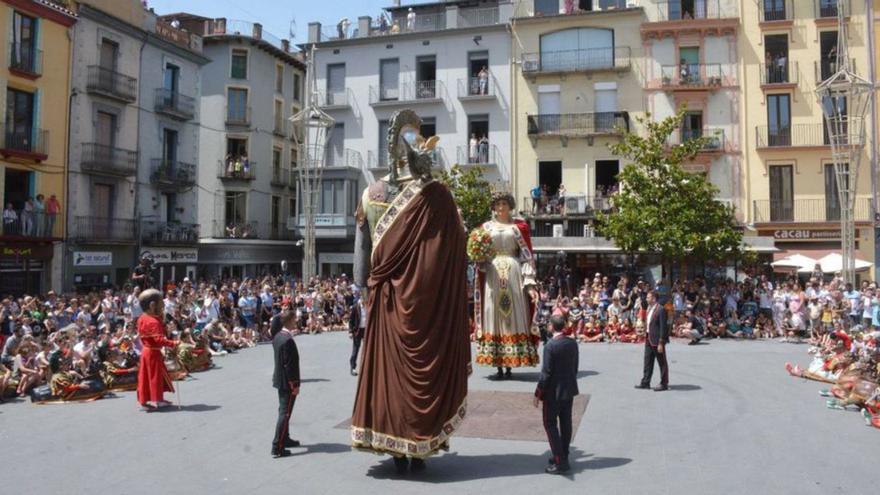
<point>685,388</point>
<point>314,380</point>
<point>452,468</point>
<point>320,448</point>
<point>533,376</point>
<point>188,408</point>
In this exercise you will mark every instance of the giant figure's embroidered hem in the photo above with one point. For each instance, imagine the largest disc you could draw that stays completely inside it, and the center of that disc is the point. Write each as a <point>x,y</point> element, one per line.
<point>382,443</point>
<point>508,351</point>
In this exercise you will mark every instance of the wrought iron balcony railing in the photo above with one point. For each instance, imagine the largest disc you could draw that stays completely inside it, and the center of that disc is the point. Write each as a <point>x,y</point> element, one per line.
<point>237,168</point>
<point>238,116</point>
<point>479,156</point>
<point>580,60</point>
<point>715,138</point>
<point>112,84</point>
<point>697,76</point>
<point>476,17</point>
<point>578,124</point>
<point>281,176</point>
<point>686,10</point>
<point>172,175</point>
<point>30,144</point>
<point>476,87</point>
<point>408,93</point>
<point>808,135</point>
<point>174,104</point>
<point>33,224</point>
<point>236,230</point>
<point>774,73</point>
<point>170,233</point>
<point>344,158</point>
<point>775,10</point>
<point>106,160</point>
<point>105,229</point>
<point>807,210</point>
<point>828,8</point>
<point>25,60</point>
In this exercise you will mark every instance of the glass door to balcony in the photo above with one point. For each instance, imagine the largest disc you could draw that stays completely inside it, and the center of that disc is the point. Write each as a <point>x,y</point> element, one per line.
<point>779,120</point>
<point>102,211</point>
<point>689,65</point>
<point>692,126</point>
<point>827,54</point>
<point>774,10</point>
<point>832,196</point>
<point>335,84</point>
<point>169,154</point>
<point>781,194</point>
<point>19,120</point>
<point>687,9</point>
<point>389,79</point>
<point>426,77</point>
<point>776,58</point>
<point>606,107</point>
<point>336,146</point>
<point>24,42</point>
<point>549,106</point>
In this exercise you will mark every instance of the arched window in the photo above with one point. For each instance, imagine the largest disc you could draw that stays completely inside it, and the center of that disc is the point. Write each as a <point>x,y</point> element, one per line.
<point>577,49</point>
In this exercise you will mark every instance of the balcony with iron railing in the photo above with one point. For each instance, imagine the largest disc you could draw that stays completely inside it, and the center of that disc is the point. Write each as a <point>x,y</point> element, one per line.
<point>109,83</point>
<point>348,158</point>
<point>775,75</point>
<point>277,231</point>
<point>827,67</point>
<point>808,210</point>
<point>174,104</point>
<point>423,22</point>
<point>100,159</point>
<point>808,135</point>
<point>575,205</point>
<point>33,225</point>
<point>408,93</point>
<point>235,229</point>
<point>239,28</point>
<point>478,17</point>
<point>693,10</point>
<point>24,143</point>
<point>715,139</point>
<point>578,124</point>
<point>237,116</point>
<point>25,60</point>
<point>827,9</point>
<point>377,161</point>
<point>775,12</point>
<point>478,156</point>
<point>281,176</point>
<point>585,60</point>
<point>335,99</point>
<point>103,229</point>
<point>172,175</point>
<point>169,233</point>
<point>476,88</point>
<point>695,77</point>
<point>236,168</point>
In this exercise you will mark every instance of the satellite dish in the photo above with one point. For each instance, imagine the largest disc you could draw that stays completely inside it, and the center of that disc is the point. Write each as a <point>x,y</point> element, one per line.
<point>175,24</point>
<point>292,31</point>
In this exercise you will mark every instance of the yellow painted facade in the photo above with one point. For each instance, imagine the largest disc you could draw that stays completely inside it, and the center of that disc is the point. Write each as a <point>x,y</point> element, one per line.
<point>33,147</point>
<point>789,190</point>
<point>579,137</point>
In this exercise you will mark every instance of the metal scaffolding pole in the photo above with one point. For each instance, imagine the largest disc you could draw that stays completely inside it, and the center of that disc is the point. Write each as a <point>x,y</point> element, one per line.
<point>845,98</point>
<point>311,133</point>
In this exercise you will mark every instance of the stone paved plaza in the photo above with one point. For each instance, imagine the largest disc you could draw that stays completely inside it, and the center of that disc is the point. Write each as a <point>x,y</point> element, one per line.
<point>734,423</point>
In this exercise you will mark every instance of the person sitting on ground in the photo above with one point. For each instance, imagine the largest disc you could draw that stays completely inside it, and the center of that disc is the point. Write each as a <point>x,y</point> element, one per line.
<point>592,331</point>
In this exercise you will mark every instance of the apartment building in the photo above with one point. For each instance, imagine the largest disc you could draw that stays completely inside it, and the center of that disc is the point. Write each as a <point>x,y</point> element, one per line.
<point>247,195</point>
<point>36,62</point>
<point>788,48</point>
<point>133,124</point>
<point>577,87</point>
<point>449,61</point>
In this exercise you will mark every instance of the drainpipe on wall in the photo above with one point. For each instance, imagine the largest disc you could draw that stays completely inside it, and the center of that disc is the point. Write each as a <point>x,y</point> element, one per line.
<point>65,246</point>
<point>137,184</point>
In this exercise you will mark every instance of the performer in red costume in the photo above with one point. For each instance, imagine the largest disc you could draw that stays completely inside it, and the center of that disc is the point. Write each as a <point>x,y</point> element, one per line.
<point>153,378</point>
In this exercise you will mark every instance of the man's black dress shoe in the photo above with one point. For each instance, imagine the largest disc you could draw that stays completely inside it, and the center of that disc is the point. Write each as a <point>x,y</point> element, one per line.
<point>661,388</point>
<point>417,465</point>
<point>642,386</point>
<point>280,453</point>
<point>557,468</point>
<point>401,464</point>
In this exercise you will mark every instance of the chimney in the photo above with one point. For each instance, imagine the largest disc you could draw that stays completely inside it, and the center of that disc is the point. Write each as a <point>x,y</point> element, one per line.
<point>285,45</point>
<point>364,23</point>
<point>314,32</point>
<point>258,31</point>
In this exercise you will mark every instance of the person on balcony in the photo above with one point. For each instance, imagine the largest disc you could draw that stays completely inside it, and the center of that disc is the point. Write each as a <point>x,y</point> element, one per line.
<point>483,80</point>
<point>684,72</point>
<point>484,149</point>
<point>411,20</point>
<point>40,215</point>
<point>245,166</point>
<point>536,199</point>
<point>53,208</point>
<point>560,205</point>
<point>27,217</point>
<point>473,148</point>
<point>10,218</point>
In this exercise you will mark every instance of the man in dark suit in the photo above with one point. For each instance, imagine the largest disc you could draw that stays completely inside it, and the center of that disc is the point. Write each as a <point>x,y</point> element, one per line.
<point>655,344</point>
<point>357,326</point>
<point>557,389</point>
<point>286,379</point>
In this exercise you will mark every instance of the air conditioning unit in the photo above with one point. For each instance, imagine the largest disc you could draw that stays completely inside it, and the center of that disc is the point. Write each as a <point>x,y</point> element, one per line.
<point>558,230</point>
<point>530,65</point>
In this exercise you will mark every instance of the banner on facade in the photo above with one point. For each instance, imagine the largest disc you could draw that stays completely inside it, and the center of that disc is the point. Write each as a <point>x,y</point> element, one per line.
<point>804,234</point>
<point>171,255</point>
<point>92,258</point>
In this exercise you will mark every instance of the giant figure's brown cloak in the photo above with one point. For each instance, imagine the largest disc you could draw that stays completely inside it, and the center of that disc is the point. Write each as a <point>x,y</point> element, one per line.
<point>412,387</point>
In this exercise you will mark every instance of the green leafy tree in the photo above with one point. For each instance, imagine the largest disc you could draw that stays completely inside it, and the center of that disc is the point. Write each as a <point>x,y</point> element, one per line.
<point>661,208</point>
<point>472,193</point>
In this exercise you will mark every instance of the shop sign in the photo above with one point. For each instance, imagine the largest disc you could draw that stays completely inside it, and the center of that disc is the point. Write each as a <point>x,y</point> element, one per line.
<point>171,255</point>
<point>26,252</point>
<point>92,258</point>
<point>804,234</point>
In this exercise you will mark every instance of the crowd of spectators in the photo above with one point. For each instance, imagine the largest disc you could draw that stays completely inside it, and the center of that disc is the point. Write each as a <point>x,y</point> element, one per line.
<point>789,308</point>
<point>220,317</point>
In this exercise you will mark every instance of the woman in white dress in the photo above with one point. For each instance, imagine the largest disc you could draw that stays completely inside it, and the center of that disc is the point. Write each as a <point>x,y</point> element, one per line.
<point>504,332</point>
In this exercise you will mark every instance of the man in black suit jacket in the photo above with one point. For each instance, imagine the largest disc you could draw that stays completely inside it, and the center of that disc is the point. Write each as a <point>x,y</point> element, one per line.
<point>286,379</point>
<point>655,344</point>
<point>557,389</point>
<point>357,323</point>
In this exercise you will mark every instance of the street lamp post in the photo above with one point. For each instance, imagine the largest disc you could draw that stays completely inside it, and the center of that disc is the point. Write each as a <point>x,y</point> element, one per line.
<point>311,133</point>
<point>845,98</point>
